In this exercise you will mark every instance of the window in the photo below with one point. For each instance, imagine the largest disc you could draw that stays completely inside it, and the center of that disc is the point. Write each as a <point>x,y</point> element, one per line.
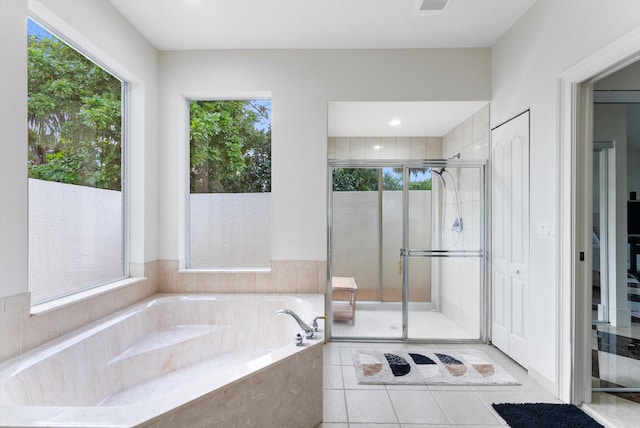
<point>76,222</point>
<point>230,184</point>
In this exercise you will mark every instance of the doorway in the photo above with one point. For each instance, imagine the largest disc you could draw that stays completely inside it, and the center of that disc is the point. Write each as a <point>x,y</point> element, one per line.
<point>407,250</point>
<point>574,381</point>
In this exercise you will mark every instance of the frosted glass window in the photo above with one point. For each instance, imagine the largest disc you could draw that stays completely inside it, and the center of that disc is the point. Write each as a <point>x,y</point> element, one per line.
<point>230,184</point>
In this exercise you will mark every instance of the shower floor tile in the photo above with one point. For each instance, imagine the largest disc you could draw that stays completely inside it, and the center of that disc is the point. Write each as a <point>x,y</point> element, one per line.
<point>372,321</point>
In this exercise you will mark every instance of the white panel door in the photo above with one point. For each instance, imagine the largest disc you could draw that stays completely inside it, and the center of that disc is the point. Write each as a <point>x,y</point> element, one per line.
<point>510,236</point>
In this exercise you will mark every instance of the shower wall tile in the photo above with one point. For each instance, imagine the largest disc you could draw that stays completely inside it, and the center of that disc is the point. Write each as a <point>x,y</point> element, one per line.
<point>357,148</point>
<point>467,130</point>
<point>403,148</point>
<point>418,147</point>
<point>391,148</point>
<point>372,148</point>
<point>481,123</point>
<point>331,148</point>
<point>388,149</point>
<point>434,148</point>
<point>343,150</point>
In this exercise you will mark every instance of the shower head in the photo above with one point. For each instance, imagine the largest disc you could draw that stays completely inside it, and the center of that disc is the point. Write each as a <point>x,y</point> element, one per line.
<point>439,174</point>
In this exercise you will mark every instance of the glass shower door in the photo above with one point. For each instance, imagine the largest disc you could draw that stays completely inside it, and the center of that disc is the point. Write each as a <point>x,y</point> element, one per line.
<point>366,223</point>
<point>443,256</point>
<point>406,250</point>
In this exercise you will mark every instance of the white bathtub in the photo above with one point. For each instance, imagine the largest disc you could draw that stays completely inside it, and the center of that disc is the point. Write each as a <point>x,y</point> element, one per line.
<point>196,360</point>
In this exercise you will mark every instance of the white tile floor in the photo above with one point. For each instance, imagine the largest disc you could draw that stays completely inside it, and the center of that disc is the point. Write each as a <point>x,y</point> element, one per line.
<point>349,405</point>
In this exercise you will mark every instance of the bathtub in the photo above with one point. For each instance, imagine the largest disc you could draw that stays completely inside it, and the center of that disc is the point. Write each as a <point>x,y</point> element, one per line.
<point>196,360</point>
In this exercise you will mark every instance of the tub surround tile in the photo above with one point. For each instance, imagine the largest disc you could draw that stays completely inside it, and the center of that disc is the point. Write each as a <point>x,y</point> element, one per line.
<point>15,303</point>
<point>246,283</point>
<point>136,269</point>
<point>252,403</point>
<point>306,277</point>
<point>29,330</point>
<point>75,316</point>
<point>41,328</point>
<point>10,334</point>
<point>145,345</point>
<point>265,281</point>
<point>166,275</point>
<point>186,281</point>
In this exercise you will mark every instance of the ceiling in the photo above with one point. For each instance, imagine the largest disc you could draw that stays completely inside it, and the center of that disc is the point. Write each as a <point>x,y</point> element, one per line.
<point>365,119</point>
<point>335,24</point>
<point>320,24</point>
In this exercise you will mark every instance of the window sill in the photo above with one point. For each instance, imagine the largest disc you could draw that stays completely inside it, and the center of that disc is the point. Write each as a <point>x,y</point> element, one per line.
<point>226,270</point>
<point>82,295</point>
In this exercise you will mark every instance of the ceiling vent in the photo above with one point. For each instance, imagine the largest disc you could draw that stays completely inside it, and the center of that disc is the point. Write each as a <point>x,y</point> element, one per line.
<point>432,5</point>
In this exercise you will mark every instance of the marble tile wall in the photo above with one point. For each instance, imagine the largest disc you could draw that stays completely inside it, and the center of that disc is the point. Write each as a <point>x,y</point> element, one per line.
<point>461,276</point>
<point>21,330</point>
<point>372,148</point>
<point>251,402</point>
<point>308,277</point>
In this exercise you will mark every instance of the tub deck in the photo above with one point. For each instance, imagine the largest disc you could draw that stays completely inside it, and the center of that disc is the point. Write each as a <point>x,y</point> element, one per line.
<point>159,361</point>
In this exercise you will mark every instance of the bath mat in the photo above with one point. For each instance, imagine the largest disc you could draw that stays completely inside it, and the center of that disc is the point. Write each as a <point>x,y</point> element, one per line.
<point>421,367</point>
<point>544,415</point>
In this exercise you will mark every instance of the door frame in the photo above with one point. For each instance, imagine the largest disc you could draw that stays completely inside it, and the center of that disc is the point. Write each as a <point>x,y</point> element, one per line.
<point>607,176</point>
<point>575,155</point>
<point>406,165</point>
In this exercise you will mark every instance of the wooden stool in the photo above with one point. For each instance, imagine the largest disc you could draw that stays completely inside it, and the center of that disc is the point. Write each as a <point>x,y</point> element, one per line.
<point>341,309</point>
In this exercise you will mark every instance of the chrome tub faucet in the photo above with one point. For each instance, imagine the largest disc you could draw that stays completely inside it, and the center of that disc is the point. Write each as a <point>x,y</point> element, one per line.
<point>309,331</point>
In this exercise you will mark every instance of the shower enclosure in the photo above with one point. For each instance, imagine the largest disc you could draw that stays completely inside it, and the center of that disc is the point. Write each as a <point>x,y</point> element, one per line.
<point>410,237</point>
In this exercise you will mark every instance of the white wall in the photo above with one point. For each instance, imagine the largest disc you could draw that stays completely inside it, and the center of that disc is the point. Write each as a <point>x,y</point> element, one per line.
<point>300,83</point>
<point>526,62</point>
<point>13,140</point>
<point>99,30</point>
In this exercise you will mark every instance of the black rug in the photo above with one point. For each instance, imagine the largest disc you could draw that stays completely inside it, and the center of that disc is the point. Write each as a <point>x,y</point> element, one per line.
<point>544,415</point>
